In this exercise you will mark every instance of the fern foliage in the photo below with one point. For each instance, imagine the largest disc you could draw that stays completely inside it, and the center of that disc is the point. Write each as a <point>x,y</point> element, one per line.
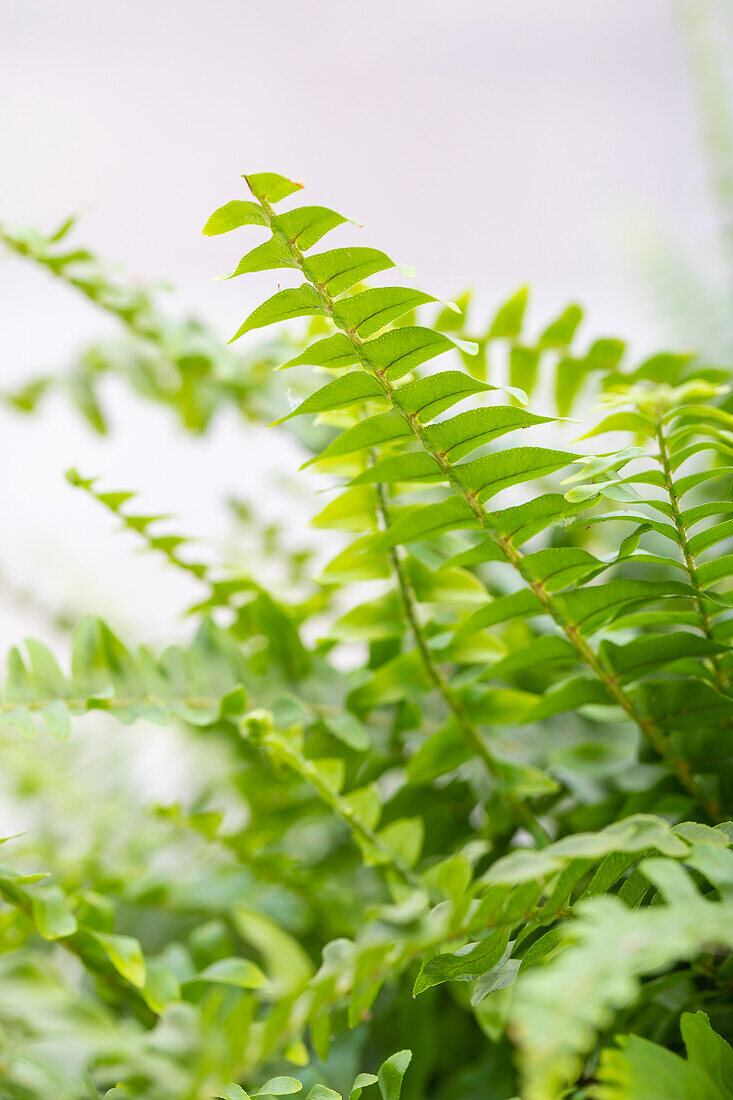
<point>462,789</point>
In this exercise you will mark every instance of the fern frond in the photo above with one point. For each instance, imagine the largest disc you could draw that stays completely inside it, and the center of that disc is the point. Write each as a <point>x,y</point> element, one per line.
<point>168,545</point>
<point>198,685</point>
<point>201,685</point>
<point>558,1010</point>
<point>360,317</point>
<point>180,364</point>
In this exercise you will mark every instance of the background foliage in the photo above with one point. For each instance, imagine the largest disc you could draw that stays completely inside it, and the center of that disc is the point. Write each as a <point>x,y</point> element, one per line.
<point>461,790</point>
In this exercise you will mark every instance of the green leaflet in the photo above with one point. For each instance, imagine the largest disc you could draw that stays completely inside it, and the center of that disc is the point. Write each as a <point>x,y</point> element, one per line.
<point>347,390</point>
<point>413,466</point>
<point>428,397</point>
<point>279,1086</point>
<point>401,350</point>
<point>605,354</point>
<point>663,367</point>
<point>524,521</point>
<point>333,352</point>
<point>446,584</point>
<point>306,225</point>
<point>283,306</point>
<point>377,619</point>
<point>233,215</point>
<point>570,696</point>
<point>235,971</point>
<point>372,310</point>
<point>517,605</point>
<point>232,1092</point>
<point>523,367</point>
<point>125,954</point>
<point>487,476</point>
<point>559,567</point>
<point>354,510</point>
<point>404,838</point>
<point>464,965</point>
<point>462,434</point>
<point>430,520</point>
<point>375,430</point>
<point>590,608</point>
<point>402,678</point>
<point>52,914</point>
<point>643,655</point>
<point>622,422</point>
<point>676,704</point>
<point>322,1092</point>
<point>499,707</point>
<point>271,187</point>
<point>561,331</point>
<point>570,376</point>
<point>665,529</point>
<point>362,560</point>
<point>543,650</point>
<point>485,551</point>
<point>686,484</point>
<point>342,268</point>
<point>391,1074</point>
<point>265,257</point>
<point>705,539</point>
<point>439,755</point>
<point>713,571</point>
<point>507,323</point>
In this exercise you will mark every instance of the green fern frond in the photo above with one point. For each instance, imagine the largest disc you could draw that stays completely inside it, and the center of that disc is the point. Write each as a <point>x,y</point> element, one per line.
<point>410,451</point>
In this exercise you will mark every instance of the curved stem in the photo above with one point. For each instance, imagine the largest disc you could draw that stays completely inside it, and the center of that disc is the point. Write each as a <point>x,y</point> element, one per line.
<point>519,809</point>
<point>721,679</point>
<point>365,837</point>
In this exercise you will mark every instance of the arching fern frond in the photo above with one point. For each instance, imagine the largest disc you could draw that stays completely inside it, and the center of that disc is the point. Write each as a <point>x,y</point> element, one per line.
<point>178,363</point>
<point>410,450</point>
<point>198,685</point>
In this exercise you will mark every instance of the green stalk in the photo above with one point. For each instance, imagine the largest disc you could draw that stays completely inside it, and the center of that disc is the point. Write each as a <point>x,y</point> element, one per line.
<point>518,808</point>
<point>365,837</point>
<point>721,680</point>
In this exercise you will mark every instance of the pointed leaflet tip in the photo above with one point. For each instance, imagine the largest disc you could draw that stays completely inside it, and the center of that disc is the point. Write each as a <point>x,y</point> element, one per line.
<point>470,347</point>
<point>515,392</point>
<point>74,478</point>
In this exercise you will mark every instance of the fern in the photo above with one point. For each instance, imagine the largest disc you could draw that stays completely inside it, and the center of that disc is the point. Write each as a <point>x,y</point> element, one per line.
<point>461,789</point>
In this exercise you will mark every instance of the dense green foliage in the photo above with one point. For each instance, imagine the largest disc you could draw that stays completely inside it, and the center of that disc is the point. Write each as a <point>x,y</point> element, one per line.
<point>463,789</point>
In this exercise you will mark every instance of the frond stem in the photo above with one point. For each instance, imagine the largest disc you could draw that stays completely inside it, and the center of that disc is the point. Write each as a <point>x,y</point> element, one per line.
<point>721,680</point>
<point>519,809</point>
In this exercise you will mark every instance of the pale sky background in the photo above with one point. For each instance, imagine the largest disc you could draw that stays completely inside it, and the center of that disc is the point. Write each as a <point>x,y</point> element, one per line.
<point>488,144</point>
